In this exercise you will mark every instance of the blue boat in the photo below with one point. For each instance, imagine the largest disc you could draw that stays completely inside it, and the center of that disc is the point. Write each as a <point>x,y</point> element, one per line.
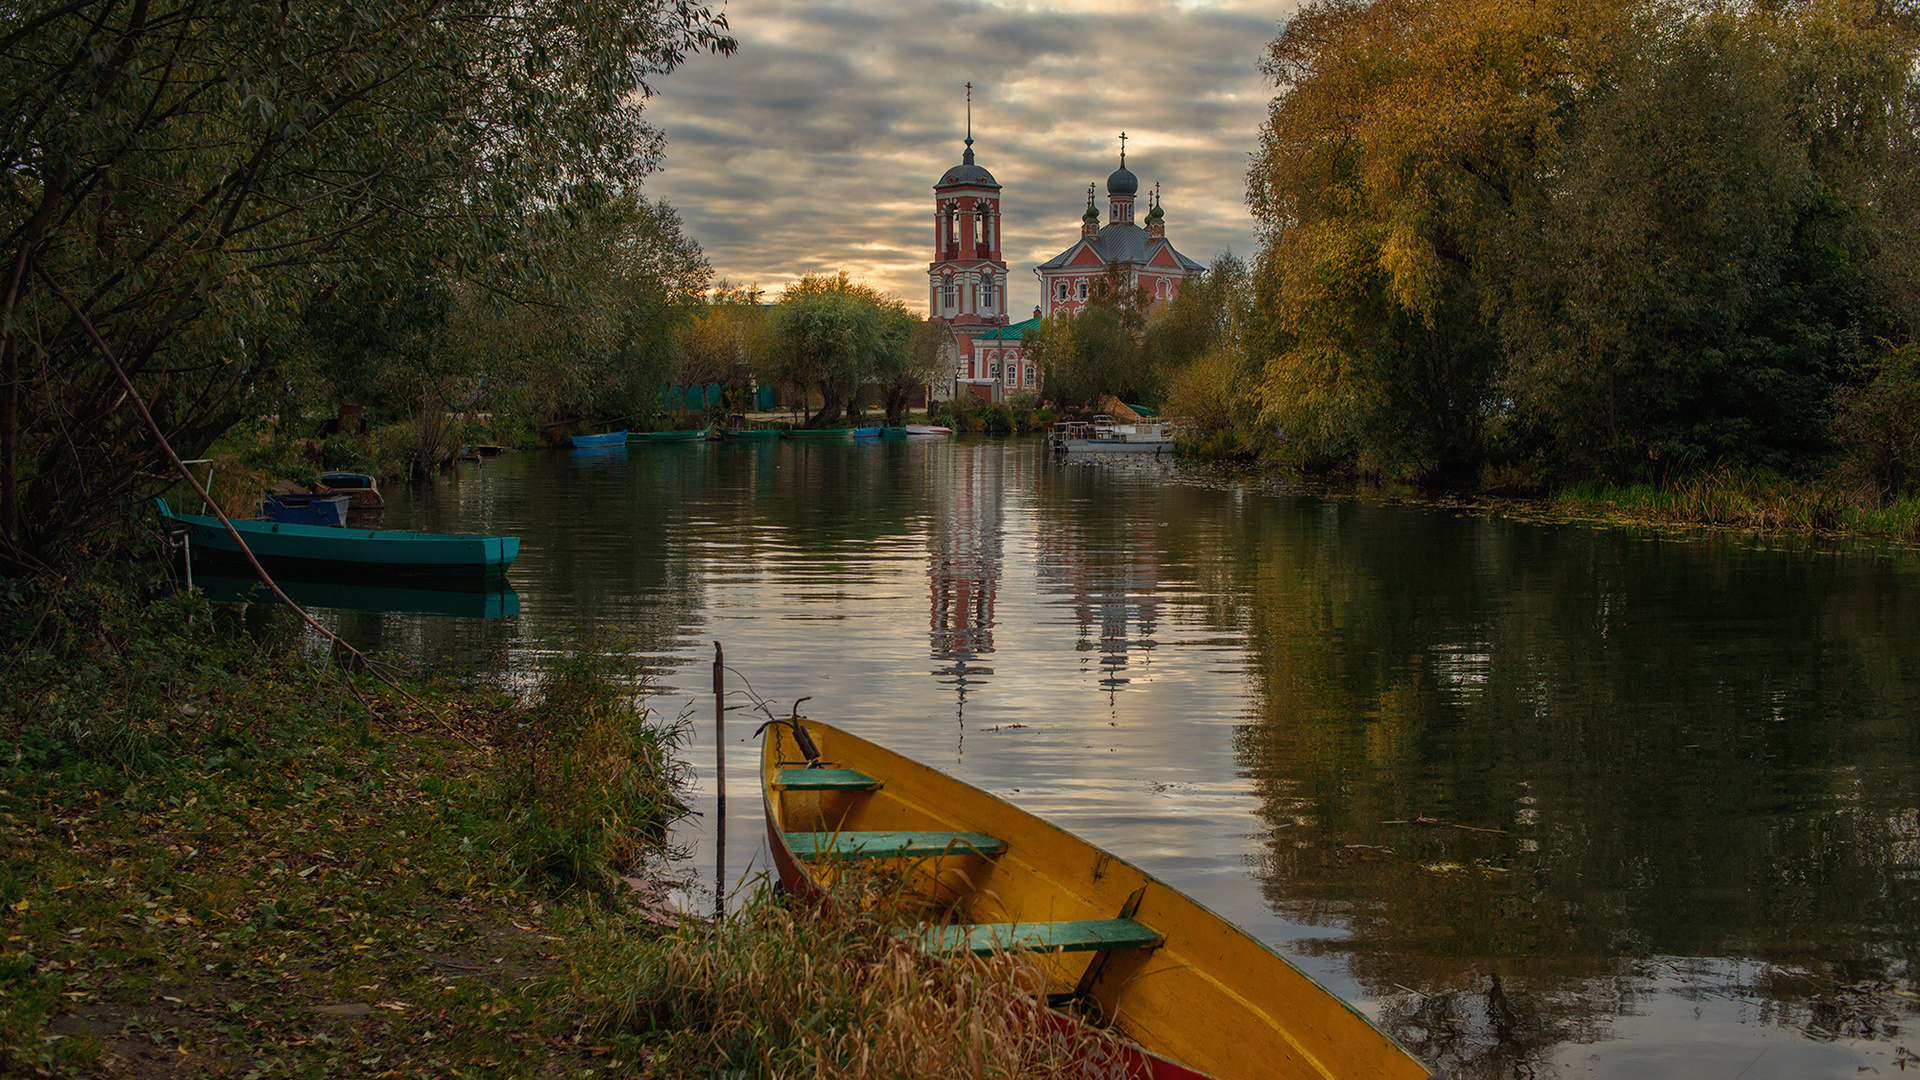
<point>867,432</point>
<point>307,509</point>
<point>611,438</point>
<point>346,553</point>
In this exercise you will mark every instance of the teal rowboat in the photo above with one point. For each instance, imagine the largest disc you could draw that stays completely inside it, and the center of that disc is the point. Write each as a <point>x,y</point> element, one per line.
<point>609,438</point>
<point>817,434</point>
<point>748,434</point>
<point>355,552</point>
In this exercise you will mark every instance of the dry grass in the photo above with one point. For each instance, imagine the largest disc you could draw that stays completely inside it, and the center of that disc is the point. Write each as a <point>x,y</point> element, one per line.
<point>828,991</point>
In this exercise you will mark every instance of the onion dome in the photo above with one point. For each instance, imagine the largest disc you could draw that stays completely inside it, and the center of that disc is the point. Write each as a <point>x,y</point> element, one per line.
<point>1122,182</point>
<point>967,173</point>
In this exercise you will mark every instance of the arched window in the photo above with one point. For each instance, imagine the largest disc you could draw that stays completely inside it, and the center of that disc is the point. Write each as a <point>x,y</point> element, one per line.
<point>1030,381</point>
<point>1082,290</point>
<point>986,291</point>
<point>948,298</point>
<point>1060,290</point>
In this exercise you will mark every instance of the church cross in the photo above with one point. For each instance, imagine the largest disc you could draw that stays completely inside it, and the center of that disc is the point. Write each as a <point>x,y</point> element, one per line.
<point>1123,149</point>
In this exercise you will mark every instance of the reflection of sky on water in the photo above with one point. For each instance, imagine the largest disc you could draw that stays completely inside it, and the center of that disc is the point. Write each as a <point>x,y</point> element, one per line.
<point>1127,654</point>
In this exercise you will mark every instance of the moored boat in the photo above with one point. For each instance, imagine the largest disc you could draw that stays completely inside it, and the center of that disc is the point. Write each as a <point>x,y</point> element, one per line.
<point>926,429</point>
<point>348,550</point>
<point>304,509</point>
<point>361,488</point>
<point>609,438</point>
<point>687,435</point>
<point>1104,435</point>
<point>867,432</point>
<point>748,434</point>
<point>1194,993</point>
<point>817,434</point>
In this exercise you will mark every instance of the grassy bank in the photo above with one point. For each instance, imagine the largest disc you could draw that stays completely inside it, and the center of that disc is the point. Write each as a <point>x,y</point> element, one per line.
<point>1730,499</point>
<point>219,858</point>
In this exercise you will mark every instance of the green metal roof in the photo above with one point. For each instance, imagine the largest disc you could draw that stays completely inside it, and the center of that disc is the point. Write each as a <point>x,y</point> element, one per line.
<point>1016,332</point>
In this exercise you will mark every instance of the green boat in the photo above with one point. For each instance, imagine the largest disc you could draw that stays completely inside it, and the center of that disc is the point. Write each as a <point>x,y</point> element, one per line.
<point>818,434</point>
<point>759,434</point>
<point>691,435</point>
<point>352,553</point>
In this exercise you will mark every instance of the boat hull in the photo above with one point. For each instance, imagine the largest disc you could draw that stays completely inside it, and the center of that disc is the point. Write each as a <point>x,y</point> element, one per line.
<point>349,549</point>
<point>817,434</point>
<point>749,434</point>
<point>1115,446</point>
<point>308,509</point>
<point>610,438</point>
<point>926,429</point>
<point>1209,999</point>
<point>689,435</point>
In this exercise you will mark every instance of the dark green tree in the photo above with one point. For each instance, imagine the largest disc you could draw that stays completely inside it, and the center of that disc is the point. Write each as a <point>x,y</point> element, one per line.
<point>1098,351</point>
<point>182,177</point>
<point>832,336</point>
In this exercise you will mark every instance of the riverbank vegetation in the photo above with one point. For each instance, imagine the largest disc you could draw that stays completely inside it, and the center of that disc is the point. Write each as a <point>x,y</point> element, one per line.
<point>224,855</point>
<point>227,206</point>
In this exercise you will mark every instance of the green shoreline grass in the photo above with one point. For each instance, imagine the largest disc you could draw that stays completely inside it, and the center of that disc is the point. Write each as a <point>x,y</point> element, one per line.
<point>1741,501</point>
<point>216,861</point>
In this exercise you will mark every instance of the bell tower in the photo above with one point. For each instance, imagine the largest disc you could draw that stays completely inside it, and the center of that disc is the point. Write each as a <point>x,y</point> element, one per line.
<point>967,279</point>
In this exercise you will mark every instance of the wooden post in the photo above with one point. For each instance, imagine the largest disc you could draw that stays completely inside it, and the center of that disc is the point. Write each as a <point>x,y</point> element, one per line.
<point>720,781</point>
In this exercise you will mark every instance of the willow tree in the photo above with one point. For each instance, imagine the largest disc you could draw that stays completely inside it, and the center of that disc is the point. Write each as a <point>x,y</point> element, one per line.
<point>1402,136</point>
<point>1617,236</point>
<point>832,336</point>
<point>180,176</point>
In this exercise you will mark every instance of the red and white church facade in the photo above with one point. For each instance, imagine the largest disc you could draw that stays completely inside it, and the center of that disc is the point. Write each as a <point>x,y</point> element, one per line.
<point>967,279</point>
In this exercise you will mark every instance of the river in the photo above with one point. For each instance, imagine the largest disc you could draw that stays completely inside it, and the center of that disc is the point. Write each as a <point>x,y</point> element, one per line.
<point>1544,799</point>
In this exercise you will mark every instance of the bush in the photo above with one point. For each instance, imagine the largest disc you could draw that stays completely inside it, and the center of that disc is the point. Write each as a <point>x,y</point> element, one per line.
<point>1878,424</point>
<point>589,784</point>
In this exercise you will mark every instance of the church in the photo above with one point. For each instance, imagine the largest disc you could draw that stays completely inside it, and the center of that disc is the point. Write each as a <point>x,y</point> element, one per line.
<point>967,279</point>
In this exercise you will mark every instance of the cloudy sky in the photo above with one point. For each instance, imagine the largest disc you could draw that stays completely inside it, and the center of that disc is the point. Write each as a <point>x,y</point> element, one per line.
<point>815,148</point>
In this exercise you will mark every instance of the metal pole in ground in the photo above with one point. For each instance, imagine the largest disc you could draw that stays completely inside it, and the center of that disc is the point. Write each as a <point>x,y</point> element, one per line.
<point>720,781</point>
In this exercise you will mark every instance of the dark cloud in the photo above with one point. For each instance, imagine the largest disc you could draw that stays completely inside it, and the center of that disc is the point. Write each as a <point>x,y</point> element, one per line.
<point>815,148</point>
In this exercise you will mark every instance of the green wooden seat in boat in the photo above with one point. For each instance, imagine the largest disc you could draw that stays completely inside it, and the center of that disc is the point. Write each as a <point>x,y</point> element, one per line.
<point>1079,935</point>
<point>824,780</point>
<point>890,845</point>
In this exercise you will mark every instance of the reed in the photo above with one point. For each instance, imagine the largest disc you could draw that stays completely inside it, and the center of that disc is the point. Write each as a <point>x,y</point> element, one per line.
<point>829,991</point>
<point>1725,497</point>
<point>588,780</point>
<point>1897,520</point>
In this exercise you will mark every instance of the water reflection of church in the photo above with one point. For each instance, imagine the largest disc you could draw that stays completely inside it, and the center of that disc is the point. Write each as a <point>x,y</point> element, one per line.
<point>1111,583</point>
<point>963,571</point>
<point>1115,599</point>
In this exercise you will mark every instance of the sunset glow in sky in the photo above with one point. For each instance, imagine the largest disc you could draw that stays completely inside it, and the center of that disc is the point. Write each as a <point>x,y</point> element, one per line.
<point>815,148</point>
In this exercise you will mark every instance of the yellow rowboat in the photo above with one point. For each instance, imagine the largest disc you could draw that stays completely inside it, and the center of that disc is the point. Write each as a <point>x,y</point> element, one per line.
<point>1200,997</point>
